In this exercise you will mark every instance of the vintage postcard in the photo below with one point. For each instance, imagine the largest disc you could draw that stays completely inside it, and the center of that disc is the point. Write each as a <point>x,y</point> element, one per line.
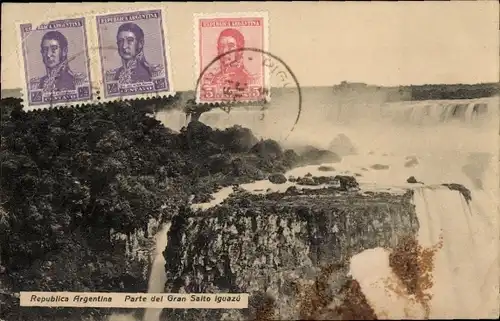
<point>318,161</point>
<point>133,53</point>
<point>56,64</point>
<point>229,51</point>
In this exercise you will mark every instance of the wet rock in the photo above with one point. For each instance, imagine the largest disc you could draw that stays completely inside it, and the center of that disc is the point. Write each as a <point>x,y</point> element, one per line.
<point>308,181</point>
<point>413,180</point>
<point>277,178</point>
<point>292,190</point>
<point>324,168</point>
<point>460,188</point>
<point>347,183</point>
<point>314,156</point>
<point>342,146</point>
<point>235,139</point>
<point>308,175</point>
<point>379,166</point>
<point>324,179</point>
<point>411,161</point>
<point>292,178</point>
<point>289,251</point>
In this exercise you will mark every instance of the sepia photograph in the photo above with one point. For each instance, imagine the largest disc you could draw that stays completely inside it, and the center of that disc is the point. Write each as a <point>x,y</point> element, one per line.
<point>249,161</point>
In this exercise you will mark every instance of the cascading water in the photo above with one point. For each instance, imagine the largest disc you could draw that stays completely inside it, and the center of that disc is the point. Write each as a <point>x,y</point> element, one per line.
<point>463,279</point>
<point>157,277</point>
<point>452,140</point>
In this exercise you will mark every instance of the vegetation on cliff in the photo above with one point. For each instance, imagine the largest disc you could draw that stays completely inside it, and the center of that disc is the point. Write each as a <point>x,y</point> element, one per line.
<point>73,176</point>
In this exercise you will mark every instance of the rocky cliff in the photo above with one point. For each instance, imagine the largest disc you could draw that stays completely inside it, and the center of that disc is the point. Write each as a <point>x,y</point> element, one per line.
<point>84,190</point>
<point>290,251</point>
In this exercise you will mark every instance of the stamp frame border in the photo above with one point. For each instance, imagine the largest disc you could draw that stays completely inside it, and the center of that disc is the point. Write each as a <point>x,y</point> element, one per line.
<point>98,65</point>
<point>196,46</point>
<point>23,70</point>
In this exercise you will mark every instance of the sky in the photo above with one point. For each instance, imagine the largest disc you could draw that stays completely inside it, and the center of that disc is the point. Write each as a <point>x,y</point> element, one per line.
<point>324,43</point>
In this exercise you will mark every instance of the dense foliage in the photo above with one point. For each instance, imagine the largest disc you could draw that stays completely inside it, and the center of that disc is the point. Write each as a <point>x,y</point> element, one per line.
<point>71,175</point>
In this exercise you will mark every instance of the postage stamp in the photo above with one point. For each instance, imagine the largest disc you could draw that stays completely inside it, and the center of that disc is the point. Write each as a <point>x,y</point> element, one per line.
<point>225,70</point>
<point>56,65</point>
<point>134,54</point>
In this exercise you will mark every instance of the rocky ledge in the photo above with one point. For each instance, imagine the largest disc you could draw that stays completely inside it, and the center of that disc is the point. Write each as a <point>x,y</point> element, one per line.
<point>290,251</point>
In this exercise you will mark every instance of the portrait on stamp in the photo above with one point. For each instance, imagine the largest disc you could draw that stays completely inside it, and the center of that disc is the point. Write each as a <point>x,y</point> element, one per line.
<point>56,63</point>
<point>237,73</point>
<point>132,53</point>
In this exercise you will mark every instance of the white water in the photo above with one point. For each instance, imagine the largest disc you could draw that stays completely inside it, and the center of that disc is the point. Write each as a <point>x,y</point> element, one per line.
<point>157,278</point>
<point>465,273</point>
<point>452,144</point>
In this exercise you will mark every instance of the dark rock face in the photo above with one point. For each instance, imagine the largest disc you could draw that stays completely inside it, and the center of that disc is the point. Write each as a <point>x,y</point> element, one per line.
<point>307,181</point>
<point>277,178</point>
<point>343,182</point>
<point>347,183</point>
<point>277,247</point>
<point>314,156</point>
<point>460,188</point>
<point>412,180</point>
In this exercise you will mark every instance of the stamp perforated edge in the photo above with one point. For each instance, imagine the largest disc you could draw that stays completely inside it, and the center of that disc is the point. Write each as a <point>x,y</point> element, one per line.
<point>196,47</point>
<point>166,45</point>
<point>22,70</point>
<point>94,62</point>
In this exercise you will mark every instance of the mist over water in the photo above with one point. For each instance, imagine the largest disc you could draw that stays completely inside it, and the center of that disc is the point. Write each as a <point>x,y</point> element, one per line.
<point>425,127</point>
<point>452,141</point>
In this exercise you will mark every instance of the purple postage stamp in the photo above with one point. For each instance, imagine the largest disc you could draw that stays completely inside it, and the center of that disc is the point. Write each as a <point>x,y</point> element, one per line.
<point>133,52</point>
<point>56,63</point>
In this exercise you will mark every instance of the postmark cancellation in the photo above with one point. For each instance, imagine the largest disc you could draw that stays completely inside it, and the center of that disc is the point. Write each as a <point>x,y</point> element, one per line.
<point>225,69</point>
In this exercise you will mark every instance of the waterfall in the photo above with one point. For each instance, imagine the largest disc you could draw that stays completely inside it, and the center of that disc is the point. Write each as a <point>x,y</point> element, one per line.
<point>157,277</point>
<point>464,276</point>
<point>442,111</point>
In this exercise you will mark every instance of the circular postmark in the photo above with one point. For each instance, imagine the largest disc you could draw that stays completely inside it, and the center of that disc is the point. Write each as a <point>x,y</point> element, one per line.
<point>275,91</point>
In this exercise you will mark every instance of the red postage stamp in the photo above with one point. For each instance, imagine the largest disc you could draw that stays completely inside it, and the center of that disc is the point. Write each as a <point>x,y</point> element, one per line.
<point>229,55</point>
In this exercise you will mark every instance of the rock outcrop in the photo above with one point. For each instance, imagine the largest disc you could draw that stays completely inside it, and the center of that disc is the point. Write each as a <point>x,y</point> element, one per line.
<point>277,178</point>
<point>314,156</point>
<point>289,251</point>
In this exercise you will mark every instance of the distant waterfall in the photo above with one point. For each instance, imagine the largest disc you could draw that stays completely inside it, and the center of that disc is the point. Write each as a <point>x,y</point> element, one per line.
<point>443,111</point>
